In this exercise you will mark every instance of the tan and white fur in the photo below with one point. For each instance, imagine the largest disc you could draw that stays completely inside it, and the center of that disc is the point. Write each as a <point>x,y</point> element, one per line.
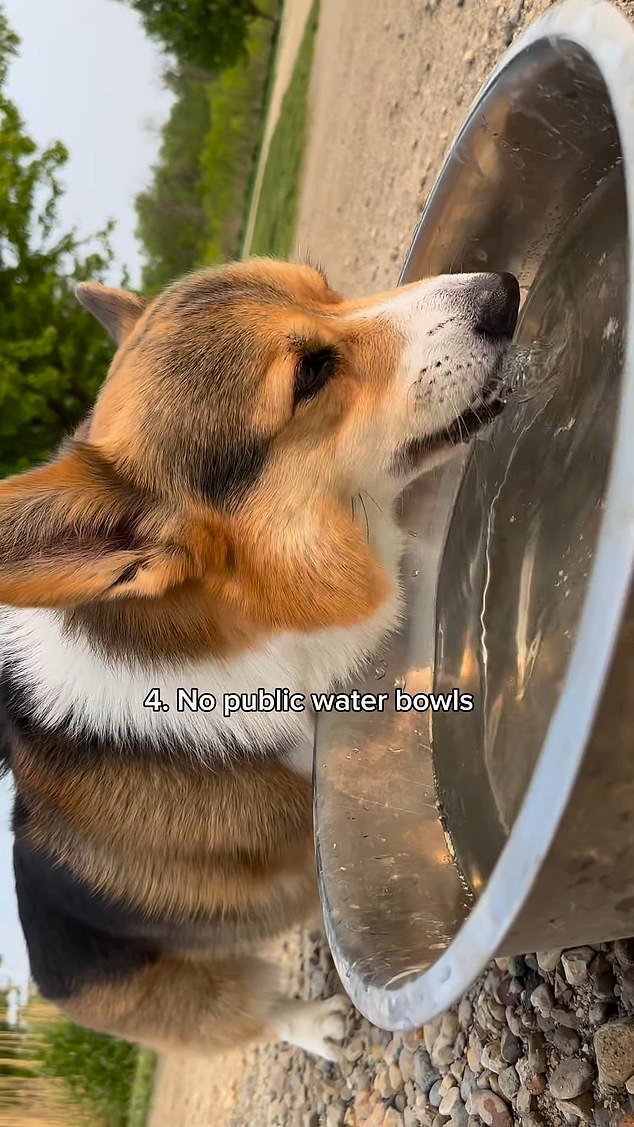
<point>223,519</point>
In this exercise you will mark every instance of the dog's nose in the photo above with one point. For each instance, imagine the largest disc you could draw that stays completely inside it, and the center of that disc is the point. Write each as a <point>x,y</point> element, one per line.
<point>497,303</point>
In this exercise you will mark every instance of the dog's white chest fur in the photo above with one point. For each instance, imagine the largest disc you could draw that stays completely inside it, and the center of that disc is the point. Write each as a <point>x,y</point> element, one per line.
<point>67,680</point>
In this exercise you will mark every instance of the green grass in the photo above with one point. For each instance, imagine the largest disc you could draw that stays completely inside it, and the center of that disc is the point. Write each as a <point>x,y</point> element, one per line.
<point>238,102</point>
<point>265,102</point>
<point>142,1089</point>
<point>276,218</point>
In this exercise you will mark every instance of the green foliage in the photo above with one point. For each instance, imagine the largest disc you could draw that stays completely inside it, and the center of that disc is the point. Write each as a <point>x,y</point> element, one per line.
<point>98,1071</point>
<point>170,215</point>
<point>277,206</point>
<point>142,1089</point>
<point>52,355</point>
<point>237,104</point>
<point>208,33</point>
<point>193,210</point>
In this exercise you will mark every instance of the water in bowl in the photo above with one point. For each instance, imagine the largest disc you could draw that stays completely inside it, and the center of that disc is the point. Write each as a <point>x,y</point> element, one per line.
<point>520,547</point>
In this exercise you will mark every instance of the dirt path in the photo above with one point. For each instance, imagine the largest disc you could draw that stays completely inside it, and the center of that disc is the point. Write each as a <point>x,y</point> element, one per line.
<point>392,82</point>
<point>294,18</point>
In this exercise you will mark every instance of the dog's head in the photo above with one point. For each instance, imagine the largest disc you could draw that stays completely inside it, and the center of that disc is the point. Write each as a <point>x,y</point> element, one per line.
<point>245,407</point>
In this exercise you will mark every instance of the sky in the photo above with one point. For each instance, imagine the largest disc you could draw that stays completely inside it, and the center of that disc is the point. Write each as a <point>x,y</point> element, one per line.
<point>87,76</point>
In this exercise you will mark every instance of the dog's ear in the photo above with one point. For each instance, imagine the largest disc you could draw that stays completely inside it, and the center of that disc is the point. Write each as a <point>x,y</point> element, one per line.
<point>71,532</point>
<point>117,310</point>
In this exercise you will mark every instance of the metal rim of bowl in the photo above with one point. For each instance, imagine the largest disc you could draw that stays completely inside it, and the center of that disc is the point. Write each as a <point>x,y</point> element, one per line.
<point>605,34</point>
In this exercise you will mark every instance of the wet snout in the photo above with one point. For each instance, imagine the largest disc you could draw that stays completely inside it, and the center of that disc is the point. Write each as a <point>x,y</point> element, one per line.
<point>497,300</point>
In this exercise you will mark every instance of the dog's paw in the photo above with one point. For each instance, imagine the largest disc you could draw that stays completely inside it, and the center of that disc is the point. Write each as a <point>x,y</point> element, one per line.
<point>317,1027</point>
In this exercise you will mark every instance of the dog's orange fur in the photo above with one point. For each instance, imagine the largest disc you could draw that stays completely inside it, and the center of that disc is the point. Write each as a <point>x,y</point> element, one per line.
<point>129,534</point>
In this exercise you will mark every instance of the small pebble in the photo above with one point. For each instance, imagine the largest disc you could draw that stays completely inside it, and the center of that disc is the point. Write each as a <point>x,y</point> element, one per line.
<point>562,990</point>
<point>542,999</point>
<point>509,1082</point>
<point>511,1047</point>
<point>474,1057</point>
<point>497,1010</point>
<point>383,1084</point>
<point>536,1052</point>
<point>353,1049</point>
<point>406,1064</point>
<point>575,964</point>
<point>467,1084</point>
<point>430,1032</point>
<point>392,1049</point>
<point>491,1108</point>
<point>560,1016</point>
<point>335,1114</point>
<point>442,1054</point>
<point>492,1057</point>
<point>614,1048</point>
<point>533,1082</point>
<point>599,1013</point>
<point>580,1106</point>
<point>392,1118</point>
<point>509,991</point>
<point>548,961</point>
<point>449,1026</point>
<point>465,1013</point>
<point>545,1024</point>
<point>400,1101</point>
<point>459,1117</point>
<point>457,1067</point>
<point>425,1074</point>
<point>460,1045</point>
<point>449,1102</point>
<point>626,988</point>
<point>435,1096</point>
<point>571,1078</point>
<point>566,1041</point>
<point>446,1084</point>
<point>524,1101</point>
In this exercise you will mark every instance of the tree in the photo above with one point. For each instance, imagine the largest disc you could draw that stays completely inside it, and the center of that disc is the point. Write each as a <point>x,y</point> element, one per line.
<point>53,357</point>
<point>210,34</point>
<point>171,219</point>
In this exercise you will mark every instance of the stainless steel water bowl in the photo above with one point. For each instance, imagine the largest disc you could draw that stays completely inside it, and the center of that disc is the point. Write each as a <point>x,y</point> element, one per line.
<point>444,839</point>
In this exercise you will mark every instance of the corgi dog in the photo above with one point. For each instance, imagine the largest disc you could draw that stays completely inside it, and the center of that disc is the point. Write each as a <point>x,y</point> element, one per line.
<point>201,535</point>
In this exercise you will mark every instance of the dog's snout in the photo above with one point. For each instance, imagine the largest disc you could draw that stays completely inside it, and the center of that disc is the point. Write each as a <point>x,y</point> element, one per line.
<point>497,304</point>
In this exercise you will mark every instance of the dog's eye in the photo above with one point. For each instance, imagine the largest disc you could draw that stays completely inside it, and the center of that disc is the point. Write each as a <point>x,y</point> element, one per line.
<point>312,372</point>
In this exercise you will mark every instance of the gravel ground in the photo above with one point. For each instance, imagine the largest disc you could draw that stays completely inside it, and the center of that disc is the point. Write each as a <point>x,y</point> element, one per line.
<point>543,1039</point>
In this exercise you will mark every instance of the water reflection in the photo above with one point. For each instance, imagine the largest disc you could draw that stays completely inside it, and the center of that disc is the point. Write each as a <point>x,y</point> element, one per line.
<point>520,547</point>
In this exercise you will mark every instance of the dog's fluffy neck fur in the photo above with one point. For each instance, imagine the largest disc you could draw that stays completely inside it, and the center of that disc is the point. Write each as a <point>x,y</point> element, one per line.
<point>66,680</point>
